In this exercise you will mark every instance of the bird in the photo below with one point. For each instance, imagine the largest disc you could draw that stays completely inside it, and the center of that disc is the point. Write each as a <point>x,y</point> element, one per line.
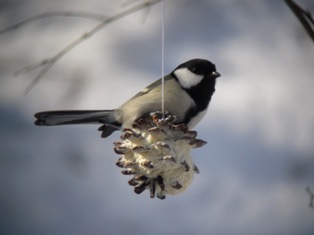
<point>188,90</point>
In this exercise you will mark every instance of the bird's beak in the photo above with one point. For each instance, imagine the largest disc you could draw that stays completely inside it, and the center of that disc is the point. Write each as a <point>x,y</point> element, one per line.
<point>215,74</point>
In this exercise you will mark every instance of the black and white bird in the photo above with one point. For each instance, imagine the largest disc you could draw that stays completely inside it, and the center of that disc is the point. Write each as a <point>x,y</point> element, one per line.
<point>188,90</point>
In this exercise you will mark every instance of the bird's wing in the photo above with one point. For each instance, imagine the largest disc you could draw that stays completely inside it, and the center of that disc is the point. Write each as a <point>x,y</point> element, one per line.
<point>151,86</point>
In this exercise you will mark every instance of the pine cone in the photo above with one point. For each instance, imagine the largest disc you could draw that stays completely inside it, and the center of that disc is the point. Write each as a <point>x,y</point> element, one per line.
<point>157,154</point>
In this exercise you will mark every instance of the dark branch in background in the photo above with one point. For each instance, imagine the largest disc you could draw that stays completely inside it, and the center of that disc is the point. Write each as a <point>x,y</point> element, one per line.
<point>46,64</point>
<point>311,204</point>
<point>304,17</point>
<point>307,22</point>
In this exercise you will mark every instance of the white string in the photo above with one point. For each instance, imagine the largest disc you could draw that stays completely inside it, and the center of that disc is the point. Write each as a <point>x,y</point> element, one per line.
<point>162,56</point>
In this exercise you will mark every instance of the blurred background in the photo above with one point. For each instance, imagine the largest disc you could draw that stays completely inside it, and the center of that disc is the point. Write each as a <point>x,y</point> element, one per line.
<point>260,125</point>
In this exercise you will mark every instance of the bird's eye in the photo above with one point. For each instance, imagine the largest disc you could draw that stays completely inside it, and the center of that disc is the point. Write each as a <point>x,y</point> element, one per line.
<point>193,69</point>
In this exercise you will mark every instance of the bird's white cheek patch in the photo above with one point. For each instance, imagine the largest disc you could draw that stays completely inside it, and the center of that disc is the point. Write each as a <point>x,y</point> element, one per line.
<point>187,79</point>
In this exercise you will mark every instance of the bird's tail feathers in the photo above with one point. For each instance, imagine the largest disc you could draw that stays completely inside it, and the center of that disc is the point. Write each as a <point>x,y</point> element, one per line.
<point>53,118</point>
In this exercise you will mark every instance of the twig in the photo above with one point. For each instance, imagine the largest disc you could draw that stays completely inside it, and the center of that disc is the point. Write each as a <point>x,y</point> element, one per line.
<point>81,14</point>
<point>48,63</point>
<point>311,204</point>
<point>127,3</point>
<point>30,68</point>
<point>304,17</point>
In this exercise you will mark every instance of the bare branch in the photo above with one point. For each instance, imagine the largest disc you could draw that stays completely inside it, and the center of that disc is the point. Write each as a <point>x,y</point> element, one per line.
<point>127,3</point>
<point>30,68</point>
<point>311,204</point>
<point>304,17</point>
<point>48,63</point>
<point>81,14</point>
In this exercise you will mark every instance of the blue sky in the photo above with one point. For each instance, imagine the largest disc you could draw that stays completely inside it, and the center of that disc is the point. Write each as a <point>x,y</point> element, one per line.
<point>260,125</point>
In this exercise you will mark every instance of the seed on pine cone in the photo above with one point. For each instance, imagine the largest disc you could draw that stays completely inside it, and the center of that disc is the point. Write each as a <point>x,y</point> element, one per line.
<point>156,153</point>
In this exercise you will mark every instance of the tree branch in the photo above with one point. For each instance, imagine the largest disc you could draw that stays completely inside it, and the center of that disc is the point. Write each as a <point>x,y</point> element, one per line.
<point>80,14</point>
<point>311,204</point>
<point>304,17</point>
<point>48,63</point>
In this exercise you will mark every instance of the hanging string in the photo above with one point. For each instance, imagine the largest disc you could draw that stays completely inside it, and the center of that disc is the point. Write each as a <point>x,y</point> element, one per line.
<point>162,57</point>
